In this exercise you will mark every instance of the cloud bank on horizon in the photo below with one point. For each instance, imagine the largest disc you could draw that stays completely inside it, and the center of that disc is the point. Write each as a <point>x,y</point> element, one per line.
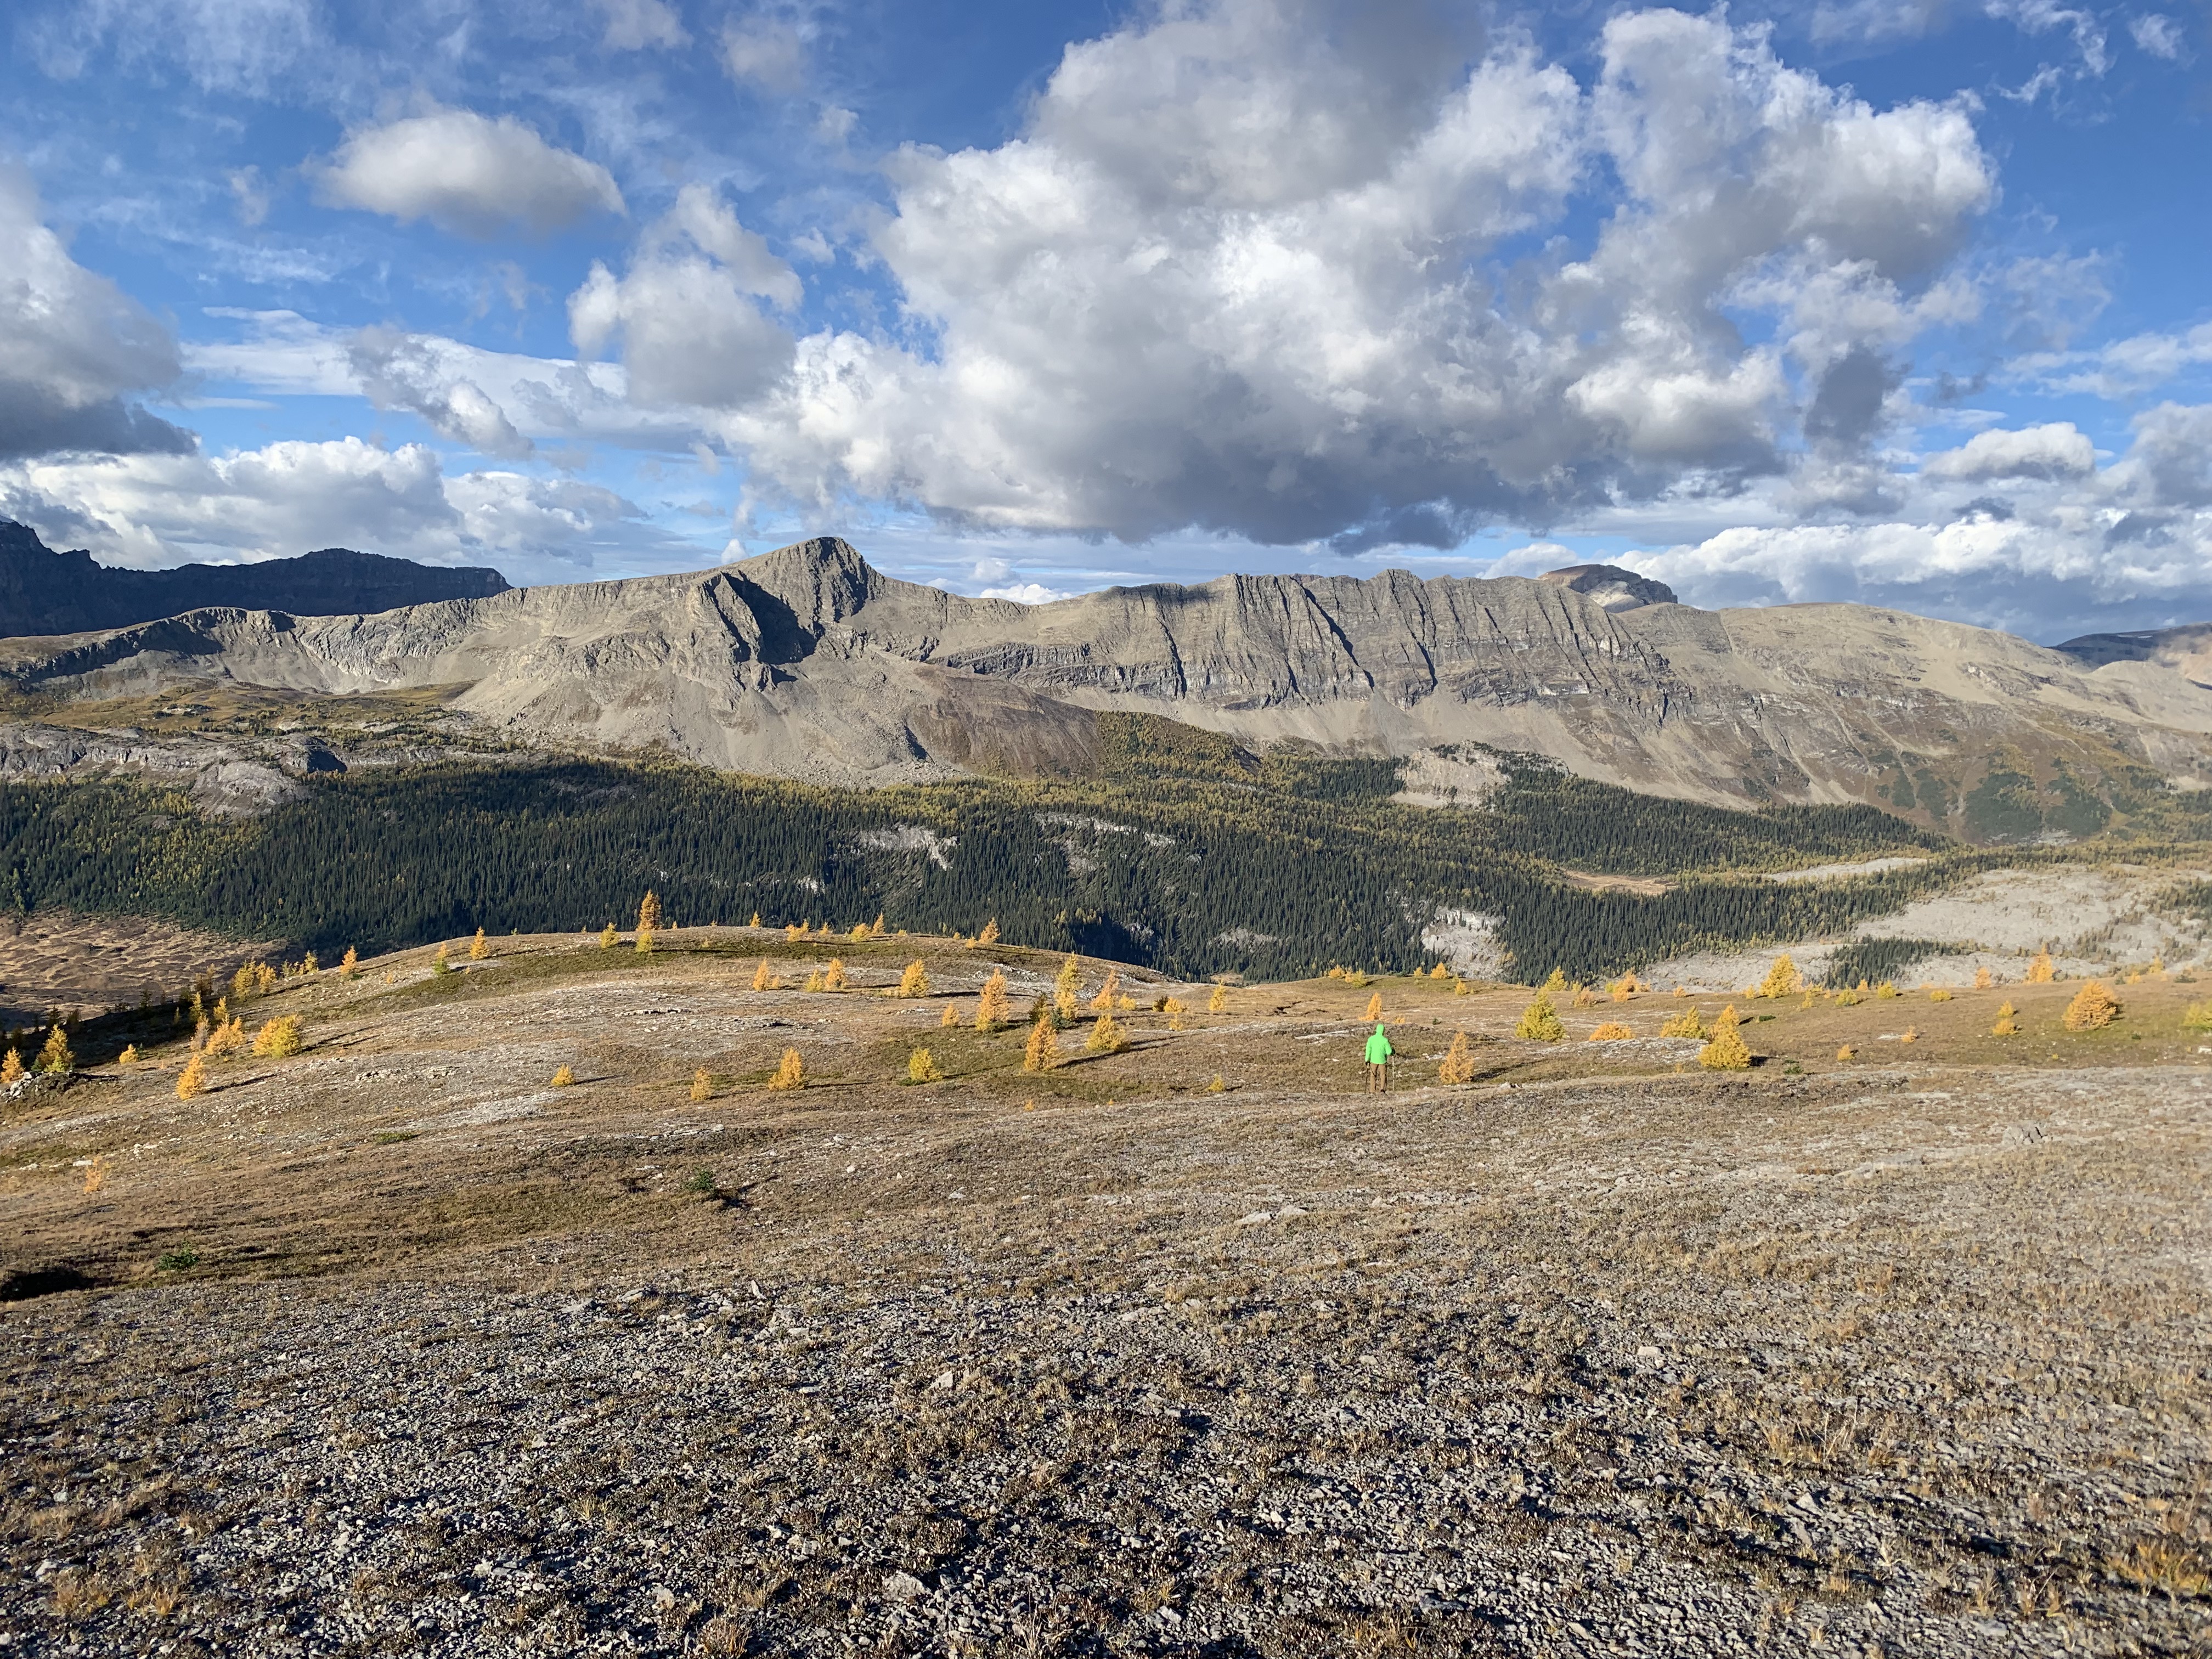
<point>1897,305</point>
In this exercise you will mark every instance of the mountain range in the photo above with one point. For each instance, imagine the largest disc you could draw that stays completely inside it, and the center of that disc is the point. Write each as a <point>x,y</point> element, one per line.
<point>43,592</point>
<point>807,663</point>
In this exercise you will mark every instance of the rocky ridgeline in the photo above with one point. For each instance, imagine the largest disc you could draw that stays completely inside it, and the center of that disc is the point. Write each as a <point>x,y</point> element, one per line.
<point>807,663</point>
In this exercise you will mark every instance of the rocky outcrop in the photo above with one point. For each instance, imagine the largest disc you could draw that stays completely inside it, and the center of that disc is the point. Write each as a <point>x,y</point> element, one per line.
<point>44,592</point>
<point>805,662</point>
<point>1610,587</point>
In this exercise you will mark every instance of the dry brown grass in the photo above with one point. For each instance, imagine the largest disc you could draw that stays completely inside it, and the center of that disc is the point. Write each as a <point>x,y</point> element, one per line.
<point>1274,1360</point>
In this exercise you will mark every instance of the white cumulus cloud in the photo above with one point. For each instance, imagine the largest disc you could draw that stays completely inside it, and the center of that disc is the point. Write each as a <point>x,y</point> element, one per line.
<point>2058,450</point>
<point>152,510</point>
<point>466,173</point>
<point>1247,270</point>
<point>73,346</point>
<point>686,312</point>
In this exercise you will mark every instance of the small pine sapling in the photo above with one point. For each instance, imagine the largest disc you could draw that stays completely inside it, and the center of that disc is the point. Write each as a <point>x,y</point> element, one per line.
<point>876,929</point>
<point>609,937</point>
<point>1174,1008</point>
<point>765,978</point>
<point>565,1077</point>
<point>1216,1087</point>
<point>128,1056</point>
<point>350,963</point>
<point>478,947</point>
<point>1374,1006</point>
<point>1885,992</point>
<point>1217,1001</point>
<point>814,979</point>
<point>1459,988</point>
<point>755,922</point>
<point>1982,978</point>
<point>2039,972</point>
<point>950,1018</point>
<point>915,982</point>
<point>990,933</point>
<point>1540,1021</point>
<point>191,1082</point>
<point>791,1074</point>
<point>921,1069</point>
<point>1044,1050</point>
<point>1458,1061</point>
<point>1782,980</point>
<point>1556,985</point>
<point>2094,1007</point>
<point>439,968</point>
<point>703,1086</point>
<point>1108,993</point>
<point>1846,1052</point>
<point>2008,1022</point>
<point>1726,1050</point>
<point>833,976</point>
<point>11,1069</point>
<point>1106,1037</point>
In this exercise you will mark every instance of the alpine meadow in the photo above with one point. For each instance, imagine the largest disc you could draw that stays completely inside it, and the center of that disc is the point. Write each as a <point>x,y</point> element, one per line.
<point>1236,829</point>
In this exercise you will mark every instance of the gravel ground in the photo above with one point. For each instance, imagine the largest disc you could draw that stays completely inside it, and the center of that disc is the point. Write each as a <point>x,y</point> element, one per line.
<point>1892,1361</point>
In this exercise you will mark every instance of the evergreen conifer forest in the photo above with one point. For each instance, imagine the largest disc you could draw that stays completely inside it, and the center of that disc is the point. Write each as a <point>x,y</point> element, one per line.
<point>1185,854</point>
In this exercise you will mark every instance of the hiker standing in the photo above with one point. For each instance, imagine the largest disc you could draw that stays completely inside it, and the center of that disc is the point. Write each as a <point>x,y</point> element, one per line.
<point>1378,1060</point>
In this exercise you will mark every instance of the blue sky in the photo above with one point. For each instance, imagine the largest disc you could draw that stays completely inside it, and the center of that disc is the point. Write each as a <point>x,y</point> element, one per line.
<point>1899,302</point>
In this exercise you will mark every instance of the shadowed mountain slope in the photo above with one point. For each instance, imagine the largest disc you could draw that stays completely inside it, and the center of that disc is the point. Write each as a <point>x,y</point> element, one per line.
<point>43,592</point>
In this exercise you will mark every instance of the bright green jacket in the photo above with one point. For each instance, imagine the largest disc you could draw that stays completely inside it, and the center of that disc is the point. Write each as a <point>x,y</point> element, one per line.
<point>1378,1047</point>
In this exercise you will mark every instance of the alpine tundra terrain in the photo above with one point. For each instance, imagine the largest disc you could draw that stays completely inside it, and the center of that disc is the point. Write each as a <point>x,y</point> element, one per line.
<point>546,1295</point>
<point>807,663</point>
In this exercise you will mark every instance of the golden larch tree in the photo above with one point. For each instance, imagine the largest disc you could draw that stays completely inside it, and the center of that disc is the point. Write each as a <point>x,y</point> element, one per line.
<point>1218,1002</point>
<point>1782,980</point>
<point>609,936</point>
<point>11,1069</point>
<point>1458,1061</point>
<point>921,1069</point>
<point>791,1072</point>
<point>1375,1007</point>
<point>1540,1021</point>
<point>990,933</point>
<point>1726,1050</point>
<point>765,978</point>
<point>1108,993</point>
<point>833,976</point>
<point>1106,1036</point>
<point>350,963</point>
<point>191,1082</point>
<point>2039,972</point>
<point>2008,1022</point>
<point>951,1015</point>
<point>703,1086</point>
<point>478,947</point>
<point>55,1058</point>
<point>279,1038</point>
<point>915,982</point>
<point>990,1008</point>
<point>2093,1008</point>
<point>1611,1032</point>
<point>1044,1050</point>
<point>564,1076</point>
